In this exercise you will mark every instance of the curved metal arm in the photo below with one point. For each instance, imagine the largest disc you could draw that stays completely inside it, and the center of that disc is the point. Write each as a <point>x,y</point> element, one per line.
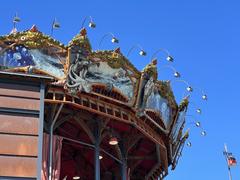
<point>134,47</point>
<point>194,120</point>
<point>185,82</point>
<point>169,57</point>
<point>91,24</point>
<point>197,124</point>
<point>198,110</point>
<point>175,72</point>
<point>204,95</point>
<point>114,39</point>
<point>189,88</point>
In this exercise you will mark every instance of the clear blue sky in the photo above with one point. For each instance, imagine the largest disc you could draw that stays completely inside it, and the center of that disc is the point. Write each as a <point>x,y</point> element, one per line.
<point>202,35</point>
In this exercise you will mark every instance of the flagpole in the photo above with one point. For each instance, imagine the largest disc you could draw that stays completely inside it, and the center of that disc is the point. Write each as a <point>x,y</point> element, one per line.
<point>55,25</point>
<point>225,152</point>
<point>229,173</point>
<point>52,27</point>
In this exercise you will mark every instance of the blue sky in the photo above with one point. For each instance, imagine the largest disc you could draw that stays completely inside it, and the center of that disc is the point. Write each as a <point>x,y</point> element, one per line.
<point>203,36</point>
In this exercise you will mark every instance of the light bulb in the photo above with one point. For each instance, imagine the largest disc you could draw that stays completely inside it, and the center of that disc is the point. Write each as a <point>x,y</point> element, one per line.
<point>189,144</point>
<point>76,177</point>
<point>113,141</point>
<point>189,89</point>
<point>142,53</point>
<point>199,111</point>
<point>170,58</point>
<point>177,74</point>
<point>203,133</point>
<point>198,124</point>
<point>114,40</point>
<point>204,97</point>
<point>92,25</point>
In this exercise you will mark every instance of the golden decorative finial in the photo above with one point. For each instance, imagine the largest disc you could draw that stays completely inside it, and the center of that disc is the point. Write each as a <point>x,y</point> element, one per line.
<point>34,28</point>
<point>83,32</point>
<point>117,50</point>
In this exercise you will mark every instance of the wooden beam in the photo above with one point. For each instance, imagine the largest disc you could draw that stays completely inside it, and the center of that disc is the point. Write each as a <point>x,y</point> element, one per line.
<point>104,125</point>
<point>134,165</point>
<point>150,157</point>
<point>85,128</point>
<point>158,153</point>
<point>62,120</point>
<point>133,141</point>
<point>152,171</point>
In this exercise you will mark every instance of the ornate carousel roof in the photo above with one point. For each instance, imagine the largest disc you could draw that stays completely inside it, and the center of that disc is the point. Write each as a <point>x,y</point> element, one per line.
<point>108,74</point>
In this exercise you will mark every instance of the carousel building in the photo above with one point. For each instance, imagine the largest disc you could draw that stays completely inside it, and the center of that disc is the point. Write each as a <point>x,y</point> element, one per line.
<point>68,112</point>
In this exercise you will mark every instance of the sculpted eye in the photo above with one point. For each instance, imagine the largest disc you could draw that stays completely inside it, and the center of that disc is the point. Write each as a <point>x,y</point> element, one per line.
<point>23,38</point>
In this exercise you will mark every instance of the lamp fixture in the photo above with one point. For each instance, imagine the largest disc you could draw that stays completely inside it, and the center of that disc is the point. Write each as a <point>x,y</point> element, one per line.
<point>113,141</point>
<point>198,124</point>
<point>55,25</point>
<point>76,177</point>
<point>189,89</point>
<point>91,23</point>
<point>189,144</point>
<point>177,74</point>
<point>100,157</point>
<point>199,111</point>
<point>114,39</point>
<point>195,122</point>
<point>196,107</point>
<point>204,97</point>
<point>141,52</point>
<point>203,133</point>
<point>16,18</point>
<point>168,58</point>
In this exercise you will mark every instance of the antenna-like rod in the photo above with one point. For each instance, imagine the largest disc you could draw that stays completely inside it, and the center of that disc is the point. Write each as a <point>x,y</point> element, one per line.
<point>55,25</point>
<point>16,20</point>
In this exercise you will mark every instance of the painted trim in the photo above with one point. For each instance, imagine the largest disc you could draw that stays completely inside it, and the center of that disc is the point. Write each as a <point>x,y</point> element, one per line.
<point>26,75</point>
<point>40,130</point>
<point>18,134</point>
<point>19,111</point>
<point>15,178</point>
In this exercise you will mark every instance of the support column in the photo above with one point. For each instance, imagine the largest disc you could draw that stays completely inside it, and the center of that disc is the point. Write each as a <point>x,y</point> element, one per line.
<point>97,152</point>
<point>40,131</point>
<point>124,173</point>
<point>51,142</point>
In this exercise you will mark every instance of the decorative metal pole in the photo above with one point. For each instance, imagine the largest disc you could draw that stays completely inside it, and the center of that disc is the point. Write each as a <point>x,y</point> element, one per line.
<point>55,25</point>
<point>226,154</point>
<point>97,152</point>
<point>51,142</point>
<point>124,170</point>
